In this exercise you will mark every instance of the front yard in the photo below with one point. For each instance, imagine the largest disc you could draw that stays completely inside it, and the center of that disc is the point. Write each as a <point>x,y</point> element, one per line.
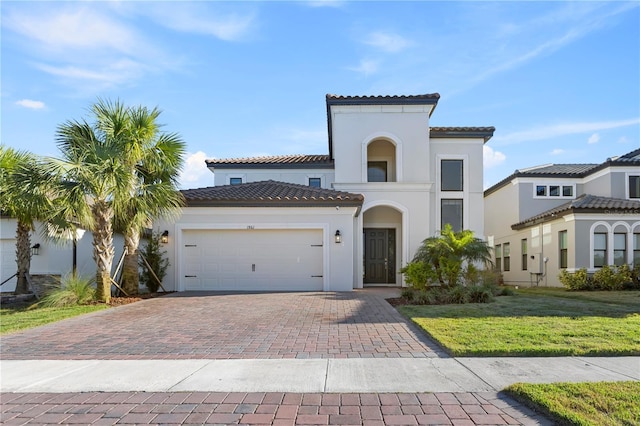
<point>21,316</point>
<point>537,322</point>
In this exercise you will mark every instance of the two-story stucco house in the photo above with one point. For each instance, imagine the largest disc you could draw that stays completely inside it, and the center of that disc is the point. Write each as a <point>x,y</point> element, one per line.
<point>337,221</point>
<point>547,218</point>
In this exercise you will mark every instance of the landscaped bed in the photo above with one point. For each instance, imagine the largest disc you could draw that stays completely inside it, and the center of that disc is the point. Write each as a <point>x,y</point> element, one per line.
<point>536,323</point>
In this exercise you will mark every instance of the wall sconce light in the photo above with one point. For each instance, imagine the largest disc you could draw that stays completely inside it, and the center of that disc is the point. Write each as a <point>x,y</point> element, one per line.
<point>35,249</point>
<point>338,237</point>
<point>164,238</point>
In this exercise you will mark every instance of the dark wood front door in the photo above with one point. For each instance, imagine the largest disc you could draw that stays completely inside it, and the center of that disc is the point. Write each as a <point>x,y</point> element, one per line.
<point>379,256</point>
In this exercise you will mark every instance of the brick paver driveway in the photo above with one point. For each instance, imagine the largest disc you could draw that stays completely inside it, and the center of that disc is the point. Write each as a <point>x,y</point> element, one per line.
<point>225,326</point>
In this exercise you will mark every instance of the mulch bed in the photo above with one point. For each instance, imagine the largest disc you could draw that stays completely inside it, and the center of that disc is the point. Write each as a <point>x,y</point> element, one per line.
<point>398,301</point>
<point>123,300</point>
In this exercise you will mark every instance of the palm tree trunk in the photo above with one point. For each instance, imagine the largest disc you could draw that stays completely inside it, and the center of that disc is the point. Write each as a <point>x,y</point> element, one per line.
<point>130,279</point>
<point>23,256</point>
<point>103,250</point>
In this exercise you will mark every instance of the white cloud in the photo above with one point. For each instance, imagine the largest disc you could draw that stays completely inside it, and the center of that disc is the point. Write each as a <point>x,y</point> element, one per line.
<point>31,104</point>
<point>195,173</point>
<point>198,18</point>
<point>492,158</point>
<point>557,151</point>
<point>81,28</point>
<point>108,76</point>
<point>366,67</point>
<point>594,138</point>
<point>552,131</point>
<point>623,139</point>
<point>387,42</point>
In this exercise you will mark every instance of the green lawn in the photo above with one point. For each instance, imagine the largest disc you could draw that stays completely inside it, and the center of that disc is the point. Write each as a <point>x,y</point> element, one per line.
<point>601,403</point>
<point>537,322</point>
<point>20,317</point>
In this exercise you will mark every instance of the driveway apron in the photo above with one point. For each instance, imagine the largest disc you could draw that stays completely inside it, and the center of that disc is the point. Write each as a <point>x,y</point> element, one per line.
<point>358,324</point>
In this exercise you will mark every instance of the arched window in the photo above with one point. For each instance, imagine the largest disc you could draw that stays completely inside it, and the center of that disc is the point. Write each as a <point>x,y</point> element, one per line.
<point>381,161</point>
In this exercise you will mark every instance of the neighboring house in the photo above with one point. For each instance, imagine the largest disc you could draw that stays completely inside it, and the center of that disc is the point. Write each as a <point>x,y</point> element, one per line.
<point>50,258</point>
<point>544,219</point>
<point>332,222</point>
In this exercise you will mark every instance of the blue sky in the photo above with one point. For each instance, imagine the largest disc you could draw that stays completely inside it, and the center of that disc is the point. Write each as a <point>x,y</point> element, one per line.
<point>560,81</point>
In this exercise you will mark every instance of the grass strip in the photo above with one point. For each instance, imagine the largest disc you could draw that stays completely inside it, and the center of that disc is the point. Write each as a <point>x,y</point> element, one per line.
<point>535,325</point>
<point>583,404</point>
<point>20,318</point>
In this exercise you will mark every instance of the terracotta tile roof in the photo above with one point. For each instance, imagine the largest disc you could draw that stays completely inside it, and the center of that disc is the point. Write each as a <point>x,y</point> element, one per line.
<point>569,170</point>
<point>429,98</point>
<point>462,132</point>
<point>585,203</point>
<point>269,194</point>
<point>294,160</point>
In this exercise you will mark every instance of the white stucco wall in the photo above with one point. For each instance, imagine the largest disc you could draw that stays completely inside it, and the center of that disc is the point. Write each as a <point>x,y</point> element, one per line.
<point>338,258</point>
<point>405,126</point>
<point>298,176</point>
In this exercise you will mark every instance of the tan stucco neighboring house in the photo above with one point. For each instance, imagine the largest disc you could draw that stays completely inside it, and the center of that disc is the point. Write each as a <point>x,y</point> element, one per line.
<point>547,218</point>
<point>337,221</point>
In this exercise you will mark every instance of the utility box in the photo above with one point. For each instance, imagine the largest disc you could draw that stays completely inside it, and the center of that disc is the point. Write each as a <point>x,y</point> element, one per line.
<point>536,263</point>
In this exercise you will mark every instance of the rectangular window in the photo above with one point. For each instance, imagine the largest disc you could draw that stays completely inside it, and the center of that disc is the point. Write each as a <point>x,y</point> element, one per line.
<point>541,190</point>
<point>506,256</point>
<point>599,250</point>
<point>525,261</point>
<point>451,213</point>
<point>451,175</point>
<point>235,181</point>
<point>634,186</point>
<point>567,191</point>
<point>498,253</point>
<point>554,191</point>
<point>377,171</point>
<point>564,253</point>
<point>315,182</point>
<point>619,249</point>
<point>636,249</point>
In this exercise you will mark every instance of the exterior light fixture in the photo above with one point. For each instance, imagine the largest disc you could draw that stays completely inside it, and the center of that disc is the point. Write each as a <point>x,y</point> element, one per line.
<point>35,249</point>
<point>338,237</point>
<point>164,238</point>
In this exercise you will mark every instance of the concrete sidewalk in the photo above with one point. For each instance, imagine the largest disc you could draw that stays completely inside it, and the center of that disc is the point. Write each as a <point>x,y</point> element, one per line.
<point>313,375</point>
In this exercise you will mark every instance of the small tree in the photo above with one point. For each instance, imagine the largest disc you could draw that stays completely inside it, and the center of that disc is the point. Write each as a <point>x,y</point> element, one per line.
<point>154,255</point>
<point>447,253</point>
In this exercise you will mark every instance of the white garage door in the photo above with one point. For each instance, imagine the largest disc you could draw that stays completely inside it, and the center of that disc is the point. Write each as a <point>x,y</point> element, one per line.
<point>8,265</point>
<point>252,260</point>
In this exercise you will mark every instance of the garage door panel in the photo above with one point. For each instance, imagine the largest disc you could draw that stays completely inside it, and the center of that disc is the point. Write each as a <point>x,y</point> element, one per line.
<point>253,260</point>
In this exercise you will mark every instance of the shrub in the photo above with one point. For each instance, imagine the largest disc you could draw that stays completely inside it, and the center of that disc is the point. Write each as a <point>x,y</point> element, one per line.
<point>155,257</point>
<point>491,277</point>
<point>612,278</point>
<point>408,293</point>
<point>480,294</point>
<point>74,290</point>
<point>417,274</point>
<point>635,279</point>
<point>578,280</point>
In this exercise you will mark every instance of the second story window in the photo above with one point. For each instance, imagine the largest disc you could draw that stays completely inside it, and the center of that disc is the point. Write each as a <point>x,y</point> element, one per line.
<point>377,171</point>
<point>554,191</point>
<point>634,186</point>
<point>315,182</point>
<point>235,181</point>
<point>451,175</point>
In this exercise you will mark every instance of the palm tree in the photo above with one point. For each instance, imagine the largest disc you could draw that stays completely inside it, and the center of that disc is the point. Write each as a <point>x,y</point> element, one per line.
<point>24,195</point>
<point>447,252</point>
<point>154,159</point>
<point>92,183</point>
